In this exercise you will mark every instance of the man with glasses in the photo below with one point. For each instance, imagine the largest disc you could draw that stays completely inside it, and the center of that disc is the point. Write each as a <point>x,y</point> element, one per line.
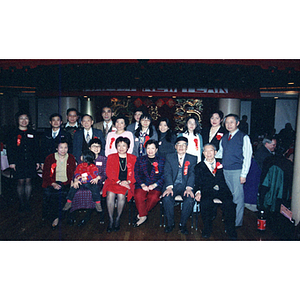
<point>179,180</point>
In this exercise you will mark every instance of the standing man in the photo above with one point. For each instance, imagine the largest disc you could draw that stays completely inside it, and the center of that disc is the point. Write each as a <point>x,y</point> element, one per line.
<point>72,124</point>
<point>179,180</point>
<point>236,152</point>
<point>53,135</point>
<point>209,185</point>
<point>106,125</point>
<point>82,137</point>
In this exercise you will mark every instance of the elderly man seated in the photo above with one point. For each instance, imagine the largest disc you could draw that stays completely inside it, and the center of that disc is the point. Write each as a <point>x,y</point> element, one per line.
<point>267,149</point>
<point>209,185</point>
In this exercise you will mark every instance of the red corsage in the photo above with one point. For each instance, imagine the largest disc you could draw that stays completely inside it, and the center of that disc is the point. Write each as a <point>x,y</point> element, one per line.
<point>186,166</point>
<point>218,166</point>
<point>95,137</point>
<point>219,136</point>
<point>196,144</point>
<point>19,140</point>
<point>155,164</point>
<point>53,166</point>
<point>111,142</point>
<point>147,138</point>
<point>129,168</point>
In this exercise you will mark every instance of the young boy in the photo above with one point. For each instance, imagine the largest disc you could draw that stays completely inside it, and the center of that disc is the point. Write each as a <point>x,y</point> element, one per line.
<point>86,174</point>
<point>236,152</point>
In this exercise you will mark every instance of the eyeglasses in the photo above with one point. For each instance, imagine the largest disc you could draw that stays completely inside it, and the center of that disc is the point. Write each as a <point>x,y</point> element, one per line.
<point>181,145</point>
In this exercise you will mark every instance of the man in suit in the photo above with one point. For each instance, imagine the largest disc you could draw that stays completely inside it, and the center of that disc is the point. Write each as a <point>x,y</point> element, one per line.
<point>52,135</point>
<point>72,124</point>
<point>179,180</point>
<point>267,149</point>
<point>82,137</point>
<point>106,125</point>
<point>210,184</point>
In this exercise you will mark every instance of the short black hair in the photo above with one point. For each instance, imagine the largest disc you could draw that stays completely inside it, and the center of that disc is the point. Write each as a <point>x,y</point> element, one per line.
<point>122,139</point>
<point>20,113</point>
<point>88,156</point>
<point>72,109</point>
<point>237,118</point>
<point>150,142</point>
<point>219,112</point>
<point>107,106</point>
<point>55,115</point>
<point>120,116</point>
<point>62,140</point>
<point>87,115</point>
<point>181,138</point>
<point>95,141</point>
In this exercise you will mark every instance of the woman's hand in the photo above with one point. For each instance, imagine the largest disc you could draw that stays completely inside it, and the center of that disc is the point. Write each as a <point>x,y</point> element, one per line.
<point>95,180</point>
<point>144,187</point>
<point>12,166</point>
<point>152,186</point>
<point>125,183</point>
<point>76,183</point>
<point>56,186</point>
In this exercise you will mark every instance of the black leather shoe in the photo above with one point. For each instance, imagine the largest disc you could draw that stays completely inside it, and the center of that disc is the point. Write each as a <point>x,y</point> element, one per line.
<point>109,228</point>
<point>82,223</point>
<point>117,226</point>
<point>168,229</point>
<point>184,230</point>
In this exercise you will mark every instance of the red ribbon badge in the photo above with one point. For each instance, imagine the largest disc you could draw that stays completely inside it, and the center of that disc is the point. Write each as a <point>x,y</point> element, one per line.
<point>219,136</point>
<point>19,140</point>
<point>155,164</point>
<point>111,142</point>
<point>147,138</point>
<point>196,144</point>
<point>53,166</point>
<point>186,166</point>
<point>218,166</point>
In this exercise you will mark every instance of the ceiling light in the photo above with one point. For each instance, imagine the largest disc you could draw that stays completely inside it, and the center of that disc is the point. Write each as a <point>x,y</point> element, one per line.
<point>291,83</point>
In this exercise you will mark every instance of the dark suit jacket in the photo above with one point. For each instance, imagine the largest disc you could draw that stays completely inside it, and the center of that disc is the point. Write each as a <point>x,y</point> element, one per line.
<point>214,141</point>
<point>205,181</point>
<point>141,173</point>
<point>80,144</point>
<point>48,143</point>
<point>172,168</point>
<point>261,154</point>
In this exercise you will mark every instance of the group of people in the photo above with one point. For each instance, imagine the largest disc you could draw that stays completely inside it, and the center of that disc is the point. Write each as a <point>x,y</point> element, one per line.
<point>138,160</point>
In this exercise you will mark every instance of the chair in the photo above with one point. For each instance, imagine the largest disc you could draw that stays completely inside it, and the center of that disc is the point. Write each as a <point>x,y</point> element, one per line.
<point>178,200</point>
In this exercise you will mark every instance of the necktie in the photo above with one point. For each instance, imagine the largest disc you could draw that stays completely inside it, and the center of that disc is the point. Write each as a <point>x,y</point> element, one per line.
<point>106,129</point>
<point>229,138</point>
<point>212,166</point>
<point>180,162</point>
<point>54,135</point>
<point>88,138</point>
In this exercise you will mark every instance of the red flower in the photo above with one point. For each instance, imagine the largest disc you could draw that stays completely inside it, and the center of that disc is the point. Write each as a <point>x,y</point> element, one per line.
<point>111,142</point>
<point>155,164</point>
<point>95,137</point>
<point>147,138</point>
<point>196,144</point>
<point>19,140</point>
<point>218,166</point>
<point>53,166</point>
<point>186,166</point>
<point>219,136</point>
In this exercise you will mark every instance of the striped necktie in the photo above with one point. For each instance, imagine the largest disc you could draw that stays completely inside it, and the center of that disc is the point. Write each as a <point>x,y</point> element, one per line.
<point>88,138</point>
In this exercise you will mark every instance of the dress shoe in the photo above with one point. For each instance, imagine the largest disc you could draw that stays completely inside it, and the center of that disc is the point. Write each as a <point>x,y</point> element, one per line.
<point>184,230</point>
<point>55,224</point>
<point>82,223</point>
<point>110,228</point>
<point>70,222</point>
<point>168,229</point>
<point>117,225</point>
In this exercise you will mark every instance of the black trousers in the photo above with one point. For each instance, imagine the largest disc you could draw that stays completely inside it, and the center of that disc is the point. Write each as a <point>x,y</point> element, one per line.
<point>54,201</point>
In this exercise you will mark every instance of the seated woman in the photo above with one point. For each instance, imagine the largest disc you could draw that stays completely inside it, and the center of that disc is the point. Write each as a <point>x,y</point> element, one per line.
<point>149,175</point>
<point>166,138</point>
<point>120,123</point>
<point>144,132</point>
<point>58,172</point>
<point>83,199</point>
<point>120,181</point>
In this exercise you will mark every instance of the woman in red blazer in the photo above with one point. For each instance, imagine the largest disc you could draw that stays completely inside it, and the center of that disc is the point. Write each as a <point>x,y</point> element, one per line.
<point>56,181</point>
<point>120,181</point>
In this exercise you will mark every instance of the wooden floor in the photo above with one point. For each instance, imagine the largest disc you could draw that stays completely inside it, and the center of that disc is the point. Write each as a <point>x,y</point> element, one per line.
<point>15,226</point>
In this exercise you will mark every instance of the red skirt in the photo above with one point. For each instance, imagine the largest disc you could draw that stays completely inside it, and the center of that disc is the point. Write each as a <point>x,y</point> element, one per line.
<point>111,186</point>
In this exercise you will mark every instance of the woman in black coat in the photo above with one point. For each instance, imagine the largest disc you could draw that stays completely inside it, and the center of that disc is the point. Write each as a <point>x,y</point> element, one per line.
<point>166,138</point>
<point>23,157</point>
